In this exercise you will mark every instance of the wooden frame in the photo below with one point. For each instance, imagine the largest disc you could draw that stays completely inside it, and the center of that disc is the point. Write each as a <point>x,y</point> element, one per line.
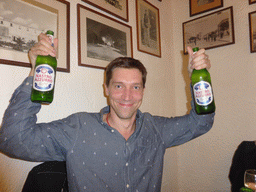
<point>210,31</point>
<point>201,6</point>
<point>148,28</point>
<point>252,27</point>
<point>17,38</point>
<point>101,38</point>
<point>117,8</point>
<point>252,1</point>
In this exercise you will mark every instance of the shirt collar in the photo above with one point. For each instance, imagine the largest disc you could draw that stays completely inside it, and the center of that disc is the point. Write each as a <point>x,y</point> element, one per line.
<point>106,110</point>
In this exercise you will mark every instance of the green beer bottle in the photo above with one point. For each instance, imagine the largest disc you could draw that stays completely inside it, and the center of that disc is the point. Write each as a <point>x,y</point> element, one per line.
<point>244,189</point>
<point>202,89</point>
<point>44,77</point>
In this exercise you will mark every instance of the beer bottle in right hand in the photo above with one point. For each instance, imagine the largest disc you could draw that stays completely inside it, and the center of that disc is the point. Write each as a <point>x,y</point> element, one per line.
<point>44,77</point>
<point>202,90</point>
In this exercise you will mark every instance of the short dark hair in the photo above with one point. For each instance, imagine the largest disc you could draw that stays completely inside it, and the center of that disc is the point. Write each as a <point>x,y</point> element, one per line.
<point>128,63</point>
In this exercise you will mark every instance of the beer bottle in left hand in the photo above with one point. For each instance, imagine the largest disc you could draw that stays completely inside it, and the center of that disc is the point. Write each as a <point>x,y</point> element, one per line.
<point>44,77</point>
<point>202,89</point>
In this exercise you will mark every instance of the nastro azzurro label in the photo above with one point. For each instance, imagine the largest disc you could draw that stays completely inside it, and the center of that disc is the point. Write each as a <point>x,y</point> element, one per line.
<point>43,78</point>
<point>203,93</point>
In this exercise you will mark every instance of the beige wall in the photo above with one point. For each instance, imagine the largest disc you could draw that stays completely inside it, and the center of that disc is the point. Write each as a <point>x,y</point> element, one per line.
<point>203,164</point>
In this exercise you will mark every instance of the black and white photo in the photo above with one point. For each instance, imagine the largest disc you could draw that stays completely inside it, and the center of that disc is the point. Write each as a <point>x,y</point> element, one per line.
<point>148,28</point>
<point>19,30</point>
<point>105,42</point>
<point>210,31</point>
<point>22,21</point>
<point>101,39</point>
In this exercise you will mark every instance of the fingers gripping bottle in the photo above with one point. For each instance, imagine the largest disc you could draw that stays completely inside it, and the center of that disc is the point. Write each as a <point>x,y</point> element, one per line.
<point>44,77</point>
<point>202,89</point>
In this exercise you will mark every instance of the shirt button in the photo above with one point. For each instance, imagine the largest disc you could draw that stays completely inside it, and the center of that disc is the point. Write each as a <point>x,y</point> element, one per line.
<point>127,185</point>
<point>112,130</point>
<point>126,164</point>
<point>127,144</point>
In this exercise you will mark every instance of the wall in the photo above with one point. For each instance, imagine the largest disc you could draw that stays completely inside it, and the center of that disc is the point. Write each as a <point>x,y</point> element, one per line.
<point>204,163</point>
<point>81,90</point>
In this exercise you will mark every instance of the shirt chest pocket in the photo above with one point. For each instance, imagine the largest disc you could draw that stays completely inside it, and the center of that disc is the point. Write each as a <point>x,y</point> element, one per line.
<point>148,153</point>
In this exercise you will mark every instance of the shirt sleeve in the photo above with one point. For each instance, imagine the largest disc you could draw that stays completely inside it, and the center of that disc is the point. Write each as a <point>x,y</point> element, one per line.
<point>179,130</point>
<point>21,137</point>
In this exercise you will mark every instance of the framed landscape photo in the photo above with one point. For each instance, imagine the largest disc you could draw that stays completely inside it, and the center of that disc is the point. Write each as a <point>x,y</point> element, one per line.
<point>252,1</point>
<point>252,26</point>
<point>148,28</point>
<point>201,6</point>
<point>118,8</point>
<point>101,39</point>
<point>26,19</point>
<point>210,31</point>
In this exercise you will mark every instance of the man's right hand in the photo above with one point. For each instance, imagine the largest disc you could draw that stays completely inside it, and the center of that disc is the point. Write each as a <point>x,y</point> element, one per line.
<point>43,47</point>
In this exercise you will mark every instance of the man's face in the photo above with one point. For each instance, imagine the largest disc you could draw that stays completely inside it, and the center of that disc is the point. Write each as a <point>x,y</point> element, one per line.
<point>125,92</point>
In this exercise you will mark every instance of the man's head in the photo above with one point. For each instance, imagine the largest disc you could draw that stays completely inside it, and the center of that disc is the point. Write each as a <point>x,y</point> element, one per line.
<point>124,86</point>
<point>128,63</point>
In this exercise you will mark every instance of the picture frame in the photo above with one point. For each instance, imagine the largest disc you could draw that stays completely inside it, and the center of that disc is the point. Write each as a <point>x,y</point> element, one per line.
<point>210,31</point>
<point>101,39</point>
<point>148,28</point>
<point>201,6</point>
<point>252,2</point>
<point>18,35</point>
<point>118,9</point>
<point>252,29</point>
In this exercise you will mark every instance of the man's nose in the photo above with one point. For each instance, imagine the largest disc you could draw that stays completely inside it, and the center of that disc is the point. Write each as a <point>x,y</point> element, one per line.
<point>127,94</point>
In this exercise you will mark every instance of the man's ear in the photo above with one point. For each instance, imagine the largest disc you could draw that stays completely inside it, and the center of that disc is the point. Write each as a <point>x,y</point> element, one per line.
<point>106,89</point>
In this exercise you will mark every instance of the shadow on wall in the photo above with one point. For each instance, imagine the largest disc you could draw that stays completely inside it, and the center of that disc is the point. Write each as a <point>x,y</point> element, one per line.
<point>187,80</point>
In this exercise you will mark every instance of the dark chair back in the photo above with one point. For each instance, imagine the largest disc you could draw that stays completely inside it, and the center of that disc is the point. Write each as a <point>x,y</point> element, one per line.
<point>244,158</point>
<point>47,177</point>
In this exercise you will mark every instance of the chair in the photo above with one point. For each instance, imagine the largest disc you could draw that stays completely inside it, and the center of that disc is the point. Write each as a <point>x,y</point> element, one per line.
<point>47,177</point>
<point>244,158</point>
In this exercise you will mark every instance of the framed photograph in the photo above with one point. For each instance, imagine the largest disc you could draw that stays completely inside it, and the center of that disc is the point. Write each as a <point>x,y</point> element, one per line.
<point>210,31</point>
<point>26,19</point>
<point>252,1</point>
<point>201,6</point>
<point>252,26</point>
<point>148,28</point>
<point>118,8</point>
<point>101,39</point>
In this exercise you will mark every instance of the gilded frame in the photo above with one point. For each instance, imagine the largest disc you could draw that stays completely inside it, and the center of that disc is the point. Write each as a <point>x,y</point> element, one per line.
<point>201,6</point>
<point>119,9</point>
<point>252,28</point>
<point>252,2</point>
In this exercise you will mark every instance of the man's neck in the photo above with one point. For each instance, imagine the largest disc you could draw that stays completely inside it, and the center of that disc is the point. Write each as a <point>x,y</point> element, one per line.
<point>125,127</point>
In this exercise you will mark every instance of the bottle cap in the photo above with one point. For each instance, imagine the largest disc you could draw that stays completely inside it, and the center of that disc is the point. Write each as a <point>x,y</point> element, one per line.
<point>195,49</point>
<point>49,32</point>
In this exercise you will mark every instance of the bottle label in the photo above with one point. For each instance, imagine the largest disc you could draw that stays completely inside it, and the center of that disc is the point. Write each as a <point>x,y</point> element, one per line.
<point>43,78</point>
<point>203,93</point>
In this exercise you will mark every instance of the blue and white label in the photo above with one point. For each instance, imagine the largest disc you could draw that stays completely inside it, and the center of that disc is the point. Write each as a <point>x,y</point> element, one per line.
<point>43,78</point>
<point>203,93</point>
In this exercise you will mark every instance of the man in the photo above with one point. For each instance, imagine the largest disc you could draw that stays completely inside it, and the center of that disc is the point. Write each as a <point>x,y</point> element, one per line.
<point>119,149</point>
